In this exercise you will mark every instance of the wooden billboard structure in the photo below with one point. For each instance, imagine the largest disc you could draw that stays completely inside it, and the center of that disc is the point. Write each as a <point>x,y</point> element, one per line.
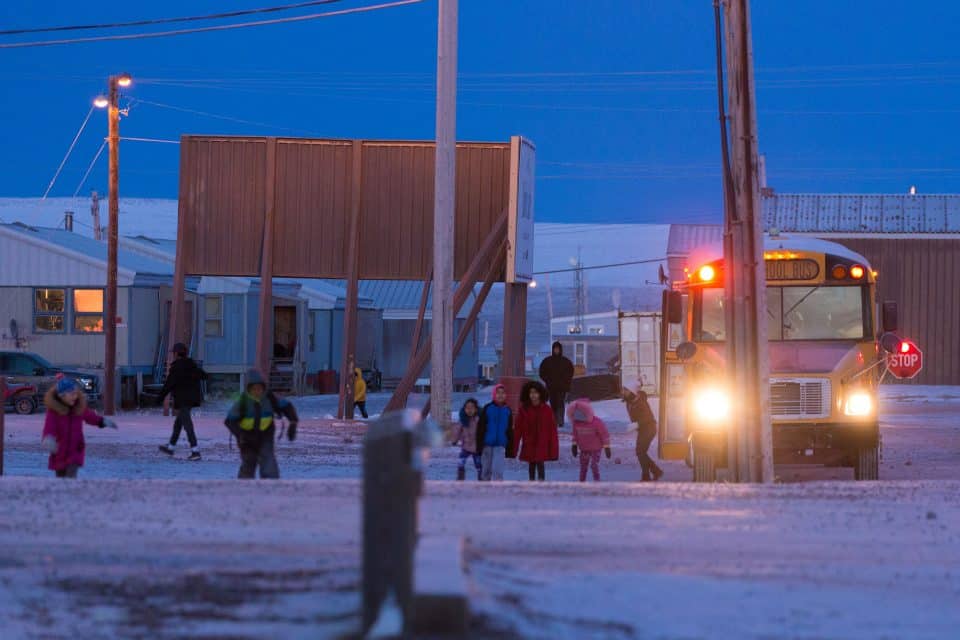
<point>268,207</point>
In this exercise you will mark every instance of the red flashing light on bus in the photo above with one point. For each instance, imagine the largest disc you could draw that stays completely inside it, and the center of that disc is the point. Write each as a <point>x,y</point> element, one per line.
<point>856,272</point>
<point>706,273</point>
<point>904,347</point>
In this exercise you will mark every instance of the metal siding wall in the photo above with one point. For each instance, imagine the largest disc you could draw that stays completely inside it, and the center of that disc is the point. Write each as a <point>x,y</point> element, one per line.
<point>923,276</point>
<point>221,204</point>
<point>67,349</point>
<point>144,326</point>
<point>27,264</point>
<point>228,348</point>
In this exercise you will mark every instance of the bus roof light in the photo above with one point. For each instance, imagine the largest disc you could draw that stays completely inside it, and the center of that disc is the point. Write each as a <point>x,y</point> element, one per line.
<point>706,273</point>
<point>856,272</point>
<point>839,272</point>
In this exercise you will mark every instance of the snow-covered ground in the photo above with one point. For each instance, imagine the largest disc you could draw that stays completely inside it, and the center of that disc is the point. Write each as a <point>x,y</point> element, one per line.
<point>144,546</point>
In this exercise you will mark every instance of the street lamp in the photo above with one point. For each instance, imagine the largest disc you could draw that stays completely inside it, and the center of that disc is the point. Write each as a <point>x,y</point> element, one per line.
<point>111,103</point>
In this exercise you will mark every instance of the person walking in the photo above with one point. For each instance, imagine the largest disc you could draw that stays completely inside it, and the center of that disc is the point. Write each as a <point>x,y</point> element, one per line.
<point>250,420</point>
<point>590,436</point>
<point>556,371</point>
<point>537,440</point>
<point>184,381</point>
<point>467,438</point>
<point>495,435</point>
<point>638,408</point>
<point>62,438</point>
<point>360,392</point>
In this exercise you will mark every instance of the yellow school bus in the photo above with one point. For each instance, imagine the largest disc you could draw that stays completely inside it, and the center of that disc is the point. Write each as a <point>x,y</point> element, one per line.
<point>824,328</point>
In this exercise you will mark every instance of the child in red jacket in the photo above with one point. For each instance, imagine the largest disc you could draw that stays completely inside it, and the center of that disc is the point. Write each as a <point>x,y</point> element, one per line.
<point>63,428</point>
<point>537,441</point>
<point>590,436</point>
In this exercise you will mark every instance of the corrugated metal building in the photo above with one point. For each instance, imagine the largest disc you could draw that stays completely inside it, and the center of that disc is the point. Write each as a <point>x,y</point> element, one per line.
<point>913,241</point>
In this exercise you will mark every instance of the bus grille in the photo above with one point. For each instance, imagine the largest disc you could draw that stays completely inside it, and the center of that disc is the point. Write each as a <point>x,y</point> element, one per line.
<point>800,398</point>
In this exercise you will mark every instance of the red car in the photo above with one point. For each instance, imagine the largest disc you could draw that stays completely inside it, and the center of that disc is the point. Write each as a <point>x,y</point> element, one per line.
<point>20,397</point>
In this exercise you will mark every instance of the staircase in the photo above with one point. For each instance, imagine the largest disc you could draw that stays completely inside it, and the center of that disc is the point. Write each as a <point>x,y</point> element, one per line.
<point>282,375</point>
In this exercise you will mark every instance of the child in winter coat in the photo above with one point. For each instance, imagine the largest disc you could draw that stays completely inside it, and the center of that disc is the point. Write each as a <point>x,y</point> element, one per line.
<point>63,428</point>
<point>467,438</point>
<point>537,439</point>
<point>638,408</point>
<point>251,420</point>
<point>590,435</point>
<point>360,392</point>
<point>495,435</point>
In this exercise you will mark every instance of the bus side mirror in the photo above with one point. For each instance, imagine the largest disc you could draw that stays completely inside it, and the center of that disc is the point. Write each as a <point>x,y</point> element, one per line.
<point>889,317</point>
<point>890,343</point>
<point>673,306</point>
<point>686,351</point>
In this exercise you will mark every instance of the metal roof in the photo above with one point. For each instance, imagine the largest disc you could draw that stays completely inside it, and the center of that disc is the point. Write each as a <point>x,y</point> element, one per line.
<point>684,237</point>
<point>393,295</point>
<point>84,245</point>
<point>859,214</point>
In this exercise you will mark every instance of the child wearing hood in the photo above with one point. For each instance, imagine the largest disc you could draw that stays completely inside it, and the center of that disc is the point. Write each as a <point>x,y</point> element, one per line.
<point>590,435</point>
<point>537,438</point>
<point>467,438</point>
<point>63,428</point>
<point>495,435</point>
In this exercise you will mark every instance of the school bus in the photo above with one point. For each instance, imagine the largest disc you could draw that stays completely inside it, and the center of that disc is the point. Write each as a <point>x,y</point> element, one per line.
<point>826,346</point>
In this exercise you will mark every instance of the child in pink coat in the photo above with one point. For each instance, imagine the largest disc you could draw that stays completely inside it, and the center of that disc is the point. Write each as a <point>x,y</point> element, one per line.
<point>590,436</point>
<point>63,428</point>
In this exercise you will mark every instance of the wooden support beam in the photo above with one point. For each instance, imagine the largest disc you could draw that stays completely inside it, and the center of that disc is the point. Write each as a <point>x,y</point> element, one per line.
<point>514,329</point>
<point>471,319</point>
<point>421,315</point>
<point>483,258</point>
<point>265,313</point>
<point>176,323</point>
<point>348,358</point>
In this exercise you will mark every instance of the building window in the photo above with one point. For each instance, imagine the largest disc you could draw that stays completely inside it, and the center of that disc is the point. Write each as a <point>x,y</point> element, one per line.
<point>213,316</point>
<point>573,329</point>
<point>595,330</point>
<point>580,354</point>
<point>88,310</point>
<point>49,310</point>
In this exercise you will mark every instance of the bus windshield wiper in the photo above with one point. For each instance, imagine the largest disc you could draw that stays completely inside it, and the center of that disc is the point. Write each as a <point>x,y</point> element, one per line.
<point>802,300</point>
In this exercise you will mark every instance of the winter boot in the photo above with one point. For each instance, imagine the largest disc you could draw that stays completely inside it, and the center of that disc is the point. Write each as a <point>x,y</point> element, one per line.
<point>194,455</point>
<point>461,473</point>
<point>167,449</point>
<point>657,473</point>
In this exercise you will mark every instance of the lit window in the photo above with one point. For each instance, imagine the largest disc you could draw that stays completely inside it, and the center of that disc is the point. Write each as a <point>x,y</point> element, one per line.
<point>213,316</point>
<point>88,310</point>
<point>49,310</point>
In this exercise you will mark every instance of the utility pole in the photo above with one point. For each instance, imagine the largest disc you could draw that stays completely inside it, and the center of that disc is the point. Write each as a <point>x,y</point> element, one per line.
<point>95,215</point>
<point>444,204</point>
<point>745,280</point>
<point>110,313</point>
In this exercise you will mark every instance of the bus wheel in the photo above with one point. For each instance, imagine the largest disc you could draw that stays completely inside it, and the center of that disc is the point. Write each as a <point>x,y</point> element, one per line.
<point>867,465</point>
<point>704,466</point>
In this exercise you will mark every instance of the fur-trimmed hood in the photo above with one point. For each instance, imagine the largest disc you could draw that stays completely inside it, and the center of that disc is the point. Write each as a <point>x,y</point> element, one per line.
<point>582,405</point>
<point>53,402</point>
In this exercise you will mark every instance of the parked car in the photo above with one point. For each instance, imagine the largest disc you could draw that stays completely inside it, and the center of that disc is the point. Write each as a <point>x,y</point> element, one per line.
<point>21,398</point>
<point>22,367</point>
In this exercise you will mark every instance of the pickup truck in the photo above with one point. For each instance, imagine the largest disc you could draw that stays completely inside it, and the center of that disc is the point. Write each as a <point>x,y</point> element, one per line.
<point>21,367</point>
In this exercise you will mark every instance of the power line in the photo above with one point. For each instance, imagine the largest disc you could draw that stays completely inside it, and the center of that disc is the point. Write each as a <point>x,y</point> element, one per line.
<point>208,114</point>
<point>142,23</point>
<point>67,155</point>
<point>90,168</point>
<point>223,27</point>
<point>151,140</point>
<point>599,266</point>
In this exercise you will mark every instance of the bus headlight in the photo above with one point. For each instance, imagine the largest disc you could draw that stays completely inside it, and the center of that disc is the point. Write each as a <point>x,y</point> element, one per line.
<point>858,403</point>
<point>711,405</point>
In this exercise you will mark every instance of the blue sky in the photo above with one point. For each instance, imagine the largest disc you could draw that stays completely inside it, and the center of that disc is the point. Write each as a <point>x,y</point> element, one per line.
<point>618,95</point>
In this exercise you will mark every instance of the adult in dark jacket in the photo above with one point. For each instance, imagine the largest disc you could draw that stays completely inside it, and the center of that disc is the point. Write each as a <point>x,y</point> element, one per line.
<point>250,420</point>
<point>638,408</point>
<point>556,371</point>
<point>184,382</point>
<point>535,430</point>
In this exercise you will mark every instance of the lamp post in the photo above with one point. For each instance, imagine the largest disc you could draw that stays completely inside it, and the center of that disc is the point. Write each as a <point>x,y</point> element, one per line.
<point>111,103</point>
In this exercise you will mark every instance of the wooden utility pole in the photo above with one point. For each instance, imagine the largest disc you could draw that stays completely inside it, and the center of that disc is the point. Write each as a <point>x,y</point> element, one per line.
<point>745,280</point>
<point>95,215</point>
<point>110,315</point>
<point>444,205</point>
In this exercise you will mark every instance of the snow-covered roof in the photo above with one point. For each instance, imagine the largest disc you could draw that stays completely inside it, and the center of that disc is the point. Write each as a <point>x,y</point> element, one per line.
<point>862,214</point>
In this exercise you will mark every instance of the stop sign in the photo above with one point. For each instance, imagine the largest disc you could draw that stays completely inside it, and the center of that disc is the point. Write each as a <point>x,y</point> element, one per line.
<point>906,362</point>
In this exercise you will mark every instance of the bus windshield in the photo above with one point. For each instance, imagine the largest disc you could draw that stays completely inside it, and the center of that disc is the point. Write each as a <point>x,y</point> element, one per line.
<point>796,313</point>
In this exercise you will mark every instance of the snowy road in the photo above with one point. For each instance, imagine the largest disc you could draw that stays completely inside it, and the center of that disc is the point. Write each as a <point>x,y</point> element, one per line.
<point>145,546</point>
<point>175,559</point>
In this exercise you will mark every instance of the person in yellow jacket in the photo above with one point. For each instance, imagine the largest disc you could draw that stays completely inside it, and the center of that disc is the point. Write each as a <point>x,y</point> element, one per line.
<point>359,392</point>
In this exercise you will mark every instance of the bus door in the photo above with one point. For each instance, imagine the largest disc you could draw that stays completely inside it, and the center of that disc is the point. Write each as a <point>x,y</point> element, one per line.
<point>672,432</point>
